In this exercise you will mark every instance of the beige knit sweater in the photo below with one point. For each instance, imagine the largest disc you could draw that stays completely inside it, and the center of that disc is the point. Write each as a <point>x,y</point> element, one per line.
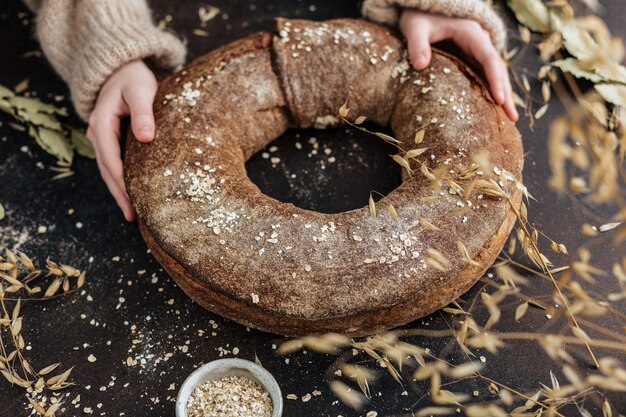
<point>87,40</point>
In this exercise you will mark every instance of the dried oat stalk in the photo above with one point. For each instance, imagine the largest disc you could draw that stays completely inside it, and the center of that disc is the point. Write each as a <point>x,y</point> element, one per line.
<point>397,356</point>
<point>22,281</point>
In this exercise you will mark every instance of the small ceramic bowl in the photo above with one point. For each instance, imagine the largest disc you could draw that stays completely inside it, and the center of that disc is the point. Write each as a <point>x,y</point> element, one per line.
<point>229,367</point>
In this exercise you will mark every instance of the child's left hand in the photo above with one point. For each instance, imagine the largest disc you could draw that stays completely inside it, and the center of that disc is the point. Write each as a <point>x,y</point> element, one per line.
<point>423,29</point>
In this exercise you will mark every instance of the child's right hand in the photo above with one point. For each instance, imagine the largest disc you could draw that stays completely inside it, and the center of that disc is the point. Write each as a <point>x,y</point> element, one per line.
<point>128,91</point>
<point>422,29</point>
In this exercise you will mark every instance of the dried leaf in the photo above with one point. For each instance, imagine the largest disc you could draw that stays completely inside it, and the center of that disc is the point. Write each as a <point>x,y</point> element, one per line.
<point>531,13</point>
<point>344,110</point>
<point>521,310</point>
<point>524,34</point>
<point>419,136</point>
<point>415,152</point>
<point>322,344</point>
<point>16,327</point>
<point>573,66</point>
<point>70,271</point>
<point>22,86</point>
<point>448,397</point>
<point>53,288</point>
<point>465,369</point>
<point>402,162</point>
<point>26,261</point>
<point>16,379</point>
<point>392,212</point>
<point>38,408</point>
<point>53,142</point>
<point>48,369</point>
<point>581,334</point>
<point>542,111</point>
<point>465,254</point>
<point>6,266</point>
<point>576,39</point>
<point>207,13</point>
<point>386,137</point>
<point>16,310</point>
<point>606,409</point>
<point>435,411</point>
<point>81,280</point>
<point>428,225</point>
<point>372,206</point>
<point>61,378</point>
<point>487,410</point>
<point>360,374</point>
<point>53,409</point>
<point>290,346</point>
<point>200,32</point>
<point>424,170</point>
<point>32,106</point>
<point>63,175</point>
<point>609,226</point>
<point>494,310</point>
<point>526,83</point>
<point>437,260</point>
<point>359,120</point>
<point>546,91</point>
<point>39,119</point>
<point>82,145</point>
<point>347,395</point>
<point>12,281</point>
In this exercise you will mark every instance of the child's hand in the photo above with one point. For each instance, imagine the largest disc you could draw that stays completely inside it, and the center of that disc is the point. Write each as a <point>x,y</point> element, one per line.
<point>422,29</point>
<point>129,90</point>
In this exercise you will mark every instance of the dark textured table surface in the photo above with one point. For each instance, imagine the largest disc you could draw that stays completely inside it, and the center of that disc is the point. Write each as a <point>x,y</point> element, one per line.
<point>130,307</point>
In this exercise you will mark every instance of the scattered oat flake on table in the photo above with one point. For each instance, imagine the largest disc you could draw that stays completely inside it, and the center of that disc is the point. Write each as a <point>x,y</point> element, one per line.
<point>91,358</point>
<point>200,32</point>
<point>207,13</point>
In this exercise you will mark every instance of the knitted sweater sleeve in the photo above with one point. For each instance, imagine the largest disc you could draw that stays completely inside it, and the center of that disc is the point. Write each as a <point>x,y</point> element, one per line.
<point>87,40</point>
<point>388,12</point>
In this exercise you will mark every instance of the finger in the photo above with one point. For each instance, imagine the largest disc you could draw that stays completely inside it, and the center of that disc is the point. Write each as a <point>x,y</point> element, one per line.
<point>417,33</point>
<point>139,100</point>
<point>108,154</point>
<point>476,43</point>
<point>111,168</point>
<point>495,72</point>
<point>509,104</point>
<point>119,195</point>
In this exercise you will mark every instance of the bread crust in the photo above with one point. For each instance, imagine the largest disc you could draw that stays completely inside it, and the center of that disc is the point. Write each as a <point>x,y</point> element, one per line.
<point>279,268</point>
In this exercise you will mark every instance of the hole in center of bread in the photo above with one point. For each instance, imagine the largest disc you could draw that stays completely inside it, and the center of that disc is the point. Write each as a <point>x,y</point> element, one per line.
<point>329,171</point>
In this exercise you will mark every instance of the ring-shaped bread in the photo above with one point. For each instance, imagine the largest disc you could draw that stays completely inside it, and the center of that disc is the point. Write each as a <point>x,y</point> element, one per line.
<point>280,268</point>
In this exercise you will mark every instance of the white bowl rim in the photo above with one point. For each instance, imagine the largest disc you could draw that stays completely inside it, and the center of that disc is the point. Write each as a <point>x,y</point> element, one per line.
<point>202,374</point>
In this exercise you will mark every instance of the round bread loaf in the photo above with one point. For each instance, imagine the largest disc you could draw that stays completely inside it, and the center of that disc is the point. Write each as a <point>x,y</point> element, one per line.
<point>276,267</point>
